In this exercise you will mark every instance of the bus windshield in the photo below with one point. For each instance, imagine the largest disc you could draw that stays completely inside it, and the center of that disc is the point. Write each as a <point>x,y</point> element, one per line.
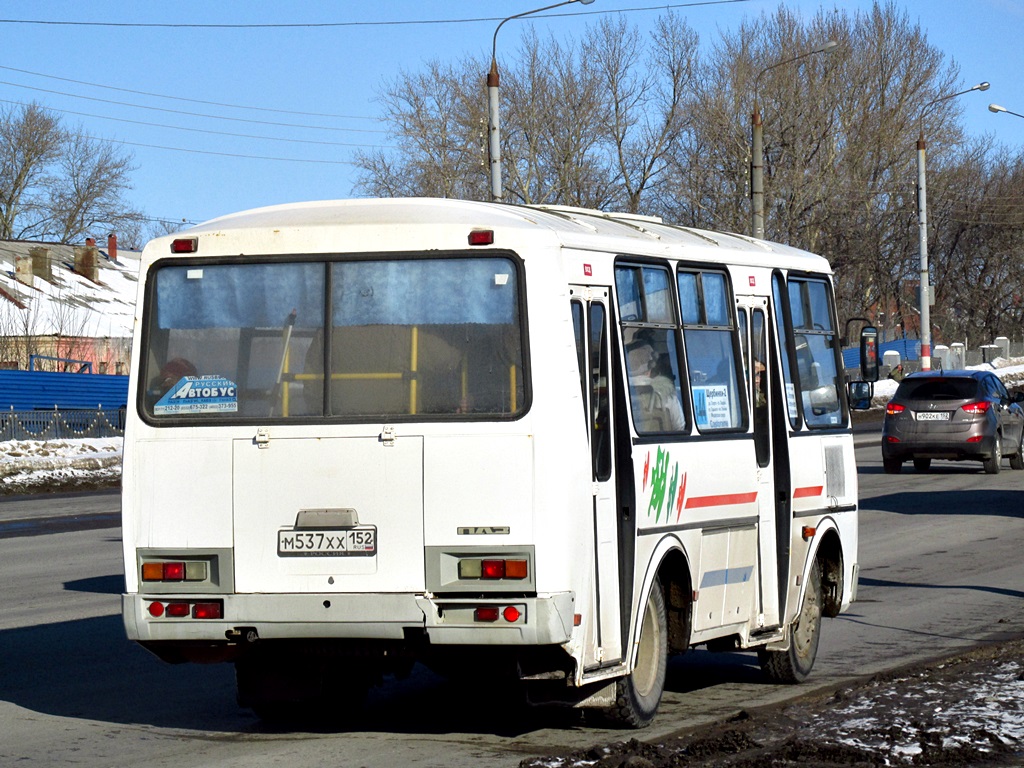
<point>401,338</point>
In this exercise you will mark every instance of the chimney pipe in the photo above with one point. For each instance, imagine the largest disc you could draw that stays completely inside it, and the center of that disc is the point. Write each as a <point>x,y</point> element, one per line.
<point>112,246</point>
<point>90,242</point>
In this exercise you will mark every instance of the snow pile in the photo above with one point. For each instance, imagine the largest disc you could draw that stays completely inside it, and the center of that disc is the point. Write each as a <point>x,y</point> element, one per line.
<point>34,466</point>
<point>980,711</point>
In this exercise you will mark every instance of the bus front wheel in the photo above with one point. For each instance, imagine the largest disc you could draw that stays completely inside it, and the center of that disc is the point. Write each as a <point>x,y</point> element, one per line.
<point>794,664</point>
<point>638,694</point>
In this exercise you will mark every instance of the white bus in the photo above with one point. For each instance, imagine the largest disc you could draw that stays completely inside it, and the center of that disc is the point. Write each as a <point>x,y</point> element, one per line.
<point>557,443</point>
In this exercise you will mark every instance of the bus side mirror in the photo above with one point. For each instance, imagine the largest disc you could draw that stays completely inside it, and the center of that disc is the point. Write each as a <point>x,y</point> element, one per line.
<point>859,393</point>
<point>869,353</point>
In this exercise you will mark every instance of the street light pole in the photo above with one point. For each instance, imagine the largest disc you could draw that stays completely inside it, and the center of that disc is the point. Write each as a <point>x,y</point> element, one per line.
<point>493,115</point>
<point>922,229</point>
<point>757,143</point>
<point>997,109</point>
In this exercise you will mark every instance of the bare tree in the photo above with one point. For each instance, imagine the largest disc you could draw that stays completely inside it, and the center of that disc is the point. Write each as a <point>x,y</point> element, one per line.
<point>59,184</point>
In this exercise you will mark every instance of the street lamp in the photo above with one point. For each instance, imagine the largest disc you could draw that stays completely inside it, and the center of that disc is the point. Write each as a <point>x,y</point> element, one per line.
<point>922,228</point>
<point>757,151</point>
<point>493,118</point>
<point>997,109</point>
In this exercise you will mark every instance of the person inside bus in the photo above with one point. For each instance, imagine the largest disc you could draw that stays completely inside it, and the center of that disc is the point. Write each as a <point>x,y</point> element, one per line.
<point>654,395</point>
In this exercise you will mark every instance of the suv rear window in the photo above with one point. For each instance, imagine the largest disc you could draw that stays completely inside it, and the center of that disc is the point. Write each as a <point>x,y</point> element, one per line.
<point>938,389</point>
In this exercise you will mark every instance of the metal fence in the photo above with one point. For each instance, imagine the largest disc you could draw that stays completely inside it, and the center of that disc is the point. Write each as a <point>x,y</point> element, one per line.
<point>61,423</point>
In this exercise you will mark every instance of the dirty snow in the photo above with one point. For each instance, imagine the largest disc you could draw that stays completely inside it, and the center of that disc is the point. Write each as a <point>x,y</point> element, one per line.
<point>37,466</point>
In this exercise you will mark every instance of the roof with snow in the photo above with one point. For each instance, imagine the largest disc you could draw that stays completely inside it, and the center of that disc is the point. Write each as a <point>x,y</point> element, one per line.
<point>43,291</point>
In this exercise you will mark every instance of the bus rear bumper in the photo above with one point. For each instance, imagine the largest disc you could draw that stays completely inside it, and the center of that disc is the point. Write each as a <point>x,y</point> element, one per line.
<point>540,620</point>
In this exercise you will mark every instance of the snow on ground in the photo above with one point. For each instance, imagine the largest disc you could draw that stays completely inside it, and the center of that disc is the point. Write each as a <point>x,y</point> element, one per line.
<point>41,466</point>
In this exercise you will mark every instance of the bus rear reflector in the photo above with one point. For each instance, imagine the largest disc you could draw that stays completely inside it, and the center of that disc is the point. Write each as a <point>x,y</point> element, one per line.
<point>486,613</point>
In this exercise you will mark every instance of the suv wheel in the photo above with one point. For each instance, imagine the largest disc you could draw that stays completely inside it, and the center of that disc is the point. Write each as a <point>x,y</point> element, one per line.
<point>1017,460</point>
<point>992,464</point>
<point>892,466</point>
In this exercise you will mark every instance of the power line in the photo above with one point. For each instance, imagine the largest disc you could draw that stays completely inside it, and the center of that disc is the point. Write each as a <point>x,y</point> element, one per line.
<point>183,98</point>
<point>342,24</point>
<point>193,114</point>
<point>224,154</point>
<point>200,130</point>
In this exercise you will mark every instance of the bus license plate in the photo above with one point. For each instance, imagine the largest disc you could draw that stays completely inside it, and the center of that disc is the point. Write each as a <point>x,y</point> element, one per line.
<point>351,542</point>
<point>933,416</point>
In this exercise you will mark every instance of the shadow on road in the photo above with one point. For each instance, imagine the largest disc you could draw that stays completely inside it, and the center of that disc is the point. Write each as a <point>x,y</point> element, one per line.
<point>88,669</point>
<point>996,501</point>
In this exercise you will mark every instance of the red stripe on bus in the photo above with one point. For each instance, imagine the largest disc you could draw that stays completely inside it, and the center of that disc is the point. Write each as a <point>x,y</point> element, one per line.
<point>813,490</point>
<point>721,500</point>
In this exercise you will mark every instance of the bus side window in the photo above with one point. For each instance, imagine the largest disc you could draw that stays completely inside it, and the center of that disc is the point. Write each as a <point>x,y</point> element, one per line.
<point>709,330</point>
<point>650,339</point>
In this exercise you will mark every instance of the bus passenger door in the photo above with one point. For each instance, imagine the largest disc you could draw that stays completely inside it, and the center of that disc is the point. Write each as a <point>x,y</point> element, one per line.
<point>590,314</point>
<point>764,379</point>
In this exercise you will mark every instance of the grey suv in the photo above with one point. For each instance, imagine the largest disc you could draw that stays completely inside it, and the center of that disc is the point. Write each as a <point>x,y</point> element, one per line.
<point>953,415</point>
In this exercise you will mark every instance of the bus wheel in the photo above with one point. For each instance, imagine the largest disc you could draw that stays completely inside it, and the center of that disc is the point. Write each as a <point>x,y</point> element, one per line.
<point>638,694</point>
<point>794,664</point>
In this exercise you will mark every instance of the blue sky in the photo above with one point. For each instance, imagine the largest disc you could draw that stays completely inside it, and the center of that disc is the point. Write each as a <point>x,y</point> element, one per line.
<point>334,74</point>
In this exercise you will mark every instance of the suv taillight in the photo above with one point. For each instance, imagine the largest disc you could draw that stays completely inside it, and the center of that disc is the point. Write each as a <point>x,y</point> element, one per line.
<point>979,407</point>
<point>894,408</point>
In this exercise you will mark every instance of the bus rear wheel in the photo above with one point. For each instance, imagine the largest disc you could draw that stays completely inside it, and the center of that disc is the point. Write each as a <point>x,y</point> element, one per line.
<point>638,694</point>
<point>794,664</point>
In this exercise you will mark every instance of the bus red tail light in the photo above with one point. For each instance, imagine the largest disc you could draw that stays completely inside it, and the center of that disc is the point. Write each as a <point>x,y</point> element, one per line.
<point>493,569</point>
<point>175,570</point>
<point>178,610</point>
<point>486,613</point>
<point>207,611</point>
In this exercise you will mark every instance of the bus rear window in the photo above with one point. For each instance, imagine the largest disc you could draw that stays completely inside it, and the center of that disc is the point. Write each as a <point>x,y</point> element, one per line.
<point>371,339</point>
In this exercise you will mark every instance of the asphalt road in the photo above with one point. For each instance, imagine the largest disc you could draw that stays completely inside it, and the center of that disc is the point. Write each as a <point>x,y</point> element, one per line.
<point>940,565</point>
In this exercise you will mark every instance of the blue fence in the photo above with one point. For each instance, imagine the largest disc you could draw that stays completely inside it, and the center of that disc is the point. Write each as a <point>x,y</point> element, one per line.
<point>909,349</point>
<point>35,390</point>
<point>61,424</point>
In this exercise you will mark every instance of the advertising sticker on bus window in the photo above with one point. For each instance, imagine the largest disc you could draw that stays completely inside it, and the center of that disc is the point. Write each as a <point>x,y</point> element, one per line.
<point>199,394</point>
<point>711,407</point>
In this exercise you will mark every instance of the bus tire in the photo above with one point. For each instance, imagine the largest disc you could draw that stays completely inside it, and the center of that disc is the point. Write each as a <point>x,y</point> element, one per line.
<point>638,694</point>
<point>794,664</point>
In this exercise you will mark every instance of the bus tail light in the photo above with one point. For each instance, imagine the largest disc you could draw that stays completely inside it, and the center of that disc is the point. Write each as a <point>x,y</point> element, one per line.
<point>207,611</point>
<point>493,568</point>
<point>488,614</point>
<point>174,570</point>
<point>178,610</point>
<point>184,609</point>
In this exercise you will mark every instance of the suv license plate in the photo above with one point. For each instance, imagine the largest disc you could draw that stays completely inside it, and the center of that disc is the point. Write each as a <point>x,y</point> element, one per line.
<point>933,416</point>
<point>350,542</point>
